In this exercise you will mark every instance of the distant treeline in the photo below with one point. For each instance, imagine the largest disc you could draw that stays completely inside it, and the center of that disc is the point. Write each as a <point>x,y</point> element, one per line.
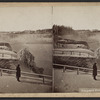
<point>44,31</point>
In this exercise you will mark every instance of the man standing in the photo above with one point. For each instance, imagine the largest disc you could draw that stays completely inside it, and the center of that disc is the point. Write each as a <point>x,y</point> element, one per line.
<point>18,73</point>
<point>94,71</point>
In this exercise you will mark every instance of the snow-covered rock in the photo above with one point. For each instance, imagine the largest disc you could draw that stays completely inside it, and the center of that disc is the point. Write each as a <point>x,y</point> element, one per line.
<point>27,58</point>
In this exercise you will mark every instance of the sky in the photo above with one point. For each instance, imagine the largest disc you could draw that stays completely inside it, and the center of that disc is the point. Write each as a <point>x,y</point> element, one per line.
<point>40,17</point>
<point>25,18</point>
<point>77,17</point>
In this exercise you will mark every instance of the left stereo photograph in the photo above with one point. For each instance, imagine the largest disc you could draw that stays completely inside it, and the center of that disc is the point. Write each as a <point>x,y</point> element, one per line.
<point>25,49</point>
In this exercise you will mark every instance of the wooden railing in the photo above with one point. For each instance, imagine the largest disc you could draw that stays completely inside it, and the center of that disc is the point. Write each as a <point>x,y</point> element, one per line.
<point>79,53</point>
<point>41,77</point>
<point>74,67</point>
<point>12,56</point>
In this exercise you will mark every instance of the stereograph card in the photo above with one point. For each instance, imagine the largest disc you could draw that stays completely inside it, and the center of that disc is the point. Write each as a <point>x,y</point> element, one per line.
<point>49,49</point>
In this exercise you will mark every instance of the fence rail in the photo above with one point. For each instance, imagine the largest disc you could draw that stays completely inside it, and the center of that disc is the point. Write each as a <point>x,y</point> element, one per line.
<point>8,56</point>
<point>41,77</point>
<point>75,67</point>
<point>75,53</point>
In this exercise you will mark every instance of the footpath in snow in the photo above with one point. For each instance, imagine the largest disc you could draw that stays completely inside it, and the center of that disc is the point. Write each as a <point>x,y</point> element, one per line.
<point>69,81</point>
<point>9,84</point>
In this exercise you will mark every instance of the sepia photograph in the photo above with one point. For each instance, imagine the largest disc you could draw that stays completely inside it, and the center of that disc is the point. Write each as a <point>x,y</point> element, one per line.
<point>49,50</point>
<point>25,49</point>
<point>76,49</point>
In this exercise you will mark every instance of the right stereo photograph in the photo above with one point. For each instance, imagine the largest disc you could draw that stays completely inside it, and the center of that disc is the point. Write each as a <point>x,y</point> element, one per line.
<point>76,49</point>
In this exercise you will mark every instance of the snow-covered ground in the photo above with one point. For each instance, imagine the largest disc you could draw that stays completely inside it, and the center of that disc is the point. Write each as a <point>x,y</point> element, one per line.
<point>9,84</point>
<point>69,81</point>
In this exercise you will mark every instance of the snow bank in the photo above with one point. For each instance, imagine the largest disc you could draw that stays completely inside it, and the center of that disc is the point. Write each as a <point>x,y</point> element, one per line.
<point>27,58</point>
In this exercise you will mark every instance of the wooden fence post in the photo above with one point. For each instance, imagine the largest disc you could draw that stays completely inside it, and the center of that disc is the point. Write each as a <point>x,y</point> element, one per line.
<point>79,53</point>
<point>43,79</point>
<point>78,71</point>
<point>53,79</point>
<point>1,71</point>
<point>71,52</point>
<point>2,55</point>
<point>88,54</point>
<point>64,69</point>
